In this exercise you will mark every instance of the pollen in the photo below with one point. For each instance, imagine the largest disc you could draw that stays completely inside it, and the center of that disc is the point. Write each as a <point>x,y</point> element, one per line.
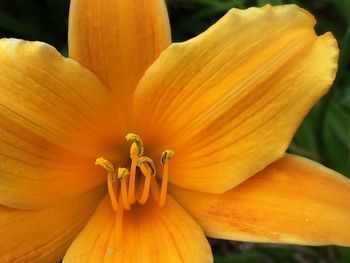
<point>134,183</point>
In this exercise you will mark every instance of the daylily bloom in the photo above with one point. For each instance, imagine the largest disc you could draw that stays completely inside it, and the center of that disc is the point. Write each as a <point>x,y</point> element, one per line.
<point>133,149</point>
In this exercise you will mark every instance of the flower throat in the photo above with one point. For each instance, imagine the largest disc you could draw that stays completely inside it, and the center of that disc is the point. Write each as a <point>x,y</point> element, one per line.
<point>135,184</point>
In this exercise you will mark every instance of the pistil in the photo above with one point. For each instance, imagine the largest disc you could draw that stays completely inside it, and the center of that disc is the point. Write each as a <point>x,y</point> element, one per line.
<point>110,180</point>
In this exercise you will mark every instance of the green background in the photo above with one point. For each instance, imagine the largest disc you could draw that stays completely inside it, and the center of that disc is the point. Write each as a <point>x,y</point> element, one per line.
<point>324,136</point>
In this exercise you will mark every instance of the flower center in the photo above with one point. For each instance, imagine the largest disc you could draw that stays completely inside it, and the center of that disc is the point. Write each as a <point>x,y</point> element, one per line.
<point>134,185</point>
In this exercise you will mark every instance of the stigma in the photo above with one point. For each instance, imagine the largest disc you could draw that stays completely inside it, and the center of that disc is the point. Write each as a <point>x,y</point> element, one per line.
<point>139,181</point>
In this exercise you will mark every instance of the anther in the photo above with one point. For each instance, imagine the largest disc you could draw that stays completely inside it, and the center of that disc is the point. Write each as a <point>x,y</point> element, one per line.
<point>122,173</point>
<point>137,146</point>
<point>146,160</point>
<point>110,179</point>
<point>106,165</point>
<point>166,155</point>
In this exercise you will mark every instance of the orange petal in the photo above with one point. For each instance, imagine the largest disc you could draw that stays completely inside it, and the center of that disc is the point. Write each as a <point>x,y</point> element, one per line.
<point>118,40</point>
<point>43,235</point>
<point>56,118</point>
<point>232,98</point>
<point>294,200</point>
<point>149,234</point>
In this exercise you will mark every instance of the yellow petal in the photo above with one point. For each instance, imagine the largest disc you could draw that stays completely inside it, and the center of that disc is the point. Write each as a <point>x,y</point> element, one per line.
<point>43,235</point>
<point>294,200</point>
<point>118,40</point>
<point>229,101</point>
<point>149,234</point>
<point>55,119</point>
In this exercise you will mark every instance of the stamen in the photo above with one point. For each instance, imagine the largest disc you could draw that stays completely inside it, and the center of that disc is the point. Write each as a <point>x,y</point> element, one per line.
<point>110,179</point>
<point>132,177</point>
<point>148,169</point>
<point>116,240</point>
<point>132,189</point>
<point>136,150</point>
<point>122,175</point>
<point>119,223</point>
<point>106,165</point>
<point>137,140</point>
<point>149,161</point>
<point>155,189</point>
<point>166,156</point>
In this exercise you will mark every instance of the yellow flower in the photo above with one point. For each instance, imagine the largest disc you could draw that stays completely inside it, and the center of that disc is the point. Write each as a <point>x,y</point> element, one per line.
<point>227,103</point>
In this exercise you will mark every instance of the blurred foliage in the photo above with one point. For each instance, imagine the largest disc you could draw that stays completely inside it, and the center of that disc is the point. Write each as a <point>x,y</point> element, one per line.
<point>324,135</point>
